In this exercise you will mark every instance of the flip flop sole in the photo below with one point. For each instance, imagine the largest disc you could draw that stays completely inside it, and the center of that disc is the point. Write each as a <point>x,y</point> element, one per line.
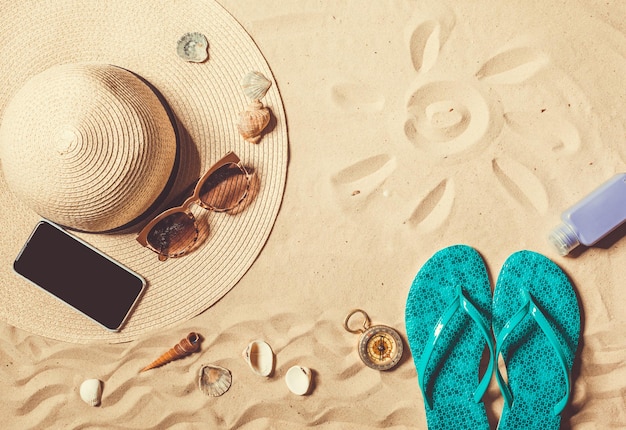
<point>453,369</point>
<point>536,377</point>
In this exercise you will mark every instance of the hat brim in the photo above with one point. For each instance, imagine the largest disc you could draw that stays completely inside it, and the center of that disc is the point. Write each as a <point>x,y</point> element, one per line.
<point>205,100</point>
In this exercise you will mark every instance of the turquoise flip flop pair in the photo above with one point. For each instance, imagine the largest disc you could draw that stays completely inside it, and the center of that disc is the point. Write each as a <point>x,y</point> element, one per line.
<point>534,315</point>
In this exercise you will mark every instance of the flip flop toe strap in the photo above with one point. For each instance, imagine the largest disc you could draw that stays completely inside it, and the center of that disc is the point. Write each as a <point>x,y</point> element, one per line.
<point>460,302</point>
<point>530,308</point>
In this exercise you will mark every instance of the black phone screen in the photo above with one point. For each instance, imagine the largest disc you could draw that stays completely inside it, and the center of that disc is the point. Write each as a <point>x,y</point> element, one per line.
<point>79,275</point>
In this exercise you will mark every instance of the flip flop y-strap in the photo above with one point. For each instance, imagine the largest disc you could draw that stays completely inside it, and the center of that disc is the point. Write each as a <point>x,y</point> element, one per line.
<point>530,308</point>
<point>460,302</point>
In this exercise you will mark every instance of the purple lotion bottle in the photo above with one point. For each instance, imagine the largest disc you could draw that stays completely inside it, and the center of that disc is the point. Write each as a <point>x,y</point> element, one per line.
<point>593,217</point>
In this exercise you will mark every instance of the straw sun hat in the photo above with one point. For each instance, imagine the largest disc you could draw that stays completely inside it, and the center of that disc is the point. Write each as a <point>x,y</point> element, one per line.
<point>103,125</point>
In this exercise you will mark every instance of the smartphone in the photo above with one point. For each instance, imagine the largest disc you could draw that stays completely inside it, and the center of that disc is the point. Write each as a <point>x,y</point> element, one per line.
<point>79,275</point>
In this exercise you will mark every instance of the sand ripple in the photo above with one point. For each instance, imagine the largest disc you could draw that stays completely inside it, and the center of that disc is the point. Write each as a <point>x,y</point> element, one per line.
<point>413,125</point>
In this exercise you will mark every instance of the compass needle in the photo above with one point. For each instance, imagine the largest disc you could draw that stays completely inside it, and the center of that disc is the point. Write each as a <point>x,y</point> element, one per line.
<point>380,347</point>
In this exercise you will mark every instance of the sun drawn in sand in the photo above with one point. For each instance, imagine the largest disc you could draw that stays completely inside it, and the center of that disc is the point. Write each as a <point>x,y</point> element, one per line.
<point>461,120</point>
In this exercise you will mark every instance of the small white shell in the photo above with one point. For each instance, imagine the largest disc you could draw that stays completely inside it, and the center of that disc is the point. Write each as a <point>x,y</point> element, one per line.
<point>255,85</point>
<point>260,357</point>
<point>214,380</point>
<point>91,391</point>
<point>298,380</point>
<point>193,47</point>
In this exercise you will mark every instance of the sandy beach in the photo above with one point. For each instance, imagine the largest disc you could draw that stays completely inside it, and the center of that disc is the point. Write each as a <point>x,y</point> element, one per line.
<point>412,126</point>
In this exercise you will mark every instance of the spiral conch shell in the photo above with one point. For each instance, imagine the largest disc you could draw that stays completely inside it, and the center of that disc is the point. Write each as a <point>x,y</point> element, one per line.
<point>185,347</point>
<point>253,121</point>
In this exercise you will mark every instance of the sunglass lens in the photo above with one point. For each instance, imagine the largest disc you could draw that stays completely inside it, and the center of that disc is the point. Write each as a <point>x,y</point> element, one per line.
<point>174,234</point>
<point>225,188</point>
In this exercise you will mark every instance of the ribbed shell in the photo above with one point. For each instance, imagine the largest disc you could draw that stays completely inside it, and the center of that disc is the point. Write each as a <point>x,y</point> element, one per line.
<point>193,47</point>
<point>214,380</point>
<point>255,85</point>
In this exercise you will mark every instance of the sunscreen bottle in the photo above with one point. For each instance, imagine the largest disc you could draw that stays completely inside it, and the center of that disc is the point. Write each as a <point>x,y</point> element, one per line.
<point>592,218</point>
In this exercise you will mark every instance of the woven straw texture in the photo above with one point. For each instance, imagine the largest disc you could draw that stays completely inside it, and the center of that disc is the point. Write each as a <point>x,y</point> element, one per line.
<point>205,100</point>
<point>100,152</point>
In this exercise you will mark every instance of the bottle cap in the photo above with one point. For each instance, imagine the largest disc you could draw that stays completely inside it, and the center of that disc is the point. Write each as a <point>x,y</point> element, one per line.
<point>563,238</point>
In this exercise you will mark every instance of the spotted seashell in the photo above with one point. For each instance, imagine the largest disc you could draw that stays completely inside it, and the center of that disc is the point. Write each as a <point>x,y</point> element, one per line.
<point>255,85</point>
<point>214,380</point>
<point>193,47</point>
<point>91,391</point>
<point>253,121</point>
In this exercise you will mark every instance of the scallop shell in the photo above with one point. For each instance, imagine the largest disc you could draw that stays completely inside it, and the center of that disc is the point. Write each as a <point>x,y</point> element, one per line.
<point>260,357</point>
<point>193,47</point>
<point>253,121</point>
<point>255,85</point>
<point>91,391</point>
<point>298,380</point>
<point>214,380</point>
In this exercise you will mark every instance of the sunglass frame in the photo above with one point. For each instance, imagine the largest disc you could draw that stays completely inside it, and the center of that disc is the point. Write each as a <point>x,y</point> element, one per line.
<point>229,158</point>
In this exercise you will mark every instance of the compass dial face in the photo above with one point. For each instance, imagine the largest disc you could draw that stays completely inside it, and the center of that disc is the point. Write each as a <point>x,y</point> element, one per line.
<point>380,347</point>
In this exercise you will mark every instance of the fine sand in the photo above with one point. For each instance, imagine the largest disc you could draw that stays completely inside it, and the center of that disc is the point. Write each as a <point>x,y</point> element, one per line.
<point>413,125</point>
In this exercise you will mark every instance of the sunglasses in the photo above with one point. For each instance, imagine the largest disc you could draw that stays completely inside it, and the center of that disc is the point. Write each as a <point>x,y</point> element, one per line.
<point>221,189</point>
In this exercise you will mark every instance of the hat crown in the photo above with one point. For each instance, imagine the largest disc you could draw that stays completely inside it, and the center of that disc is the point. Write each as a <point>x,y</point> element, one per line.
<point>89,146</point>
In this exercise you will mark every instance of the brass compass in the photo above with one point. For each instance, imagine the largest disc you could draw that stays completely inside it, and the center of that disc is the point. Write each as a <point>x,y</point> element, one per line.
<point>380,347</point>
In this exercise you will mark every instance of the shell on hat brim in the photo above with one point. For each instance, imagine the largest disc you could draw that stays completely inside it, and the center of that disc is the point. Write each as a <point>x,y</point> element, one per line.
<point>203,101</point>
<point>255,85</point>
<point>253,120</point>
<point>214,380</point>
<point>193,47</point>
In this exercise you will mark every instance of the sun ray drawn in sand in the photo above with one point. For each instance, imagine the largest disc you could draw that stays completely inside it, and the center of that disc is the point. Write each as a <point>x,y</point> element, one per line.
<point>465,119</point>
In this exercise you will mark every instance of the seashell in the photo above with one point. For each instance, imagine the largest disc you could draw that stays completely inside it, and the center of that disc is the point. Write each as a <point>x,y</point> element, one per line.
<point>298,380</point>
<point>253,121</point>
<point>260,357</point>
<point>91,391</point>
<point>214,380</point>
<point>185,347</point>
<point>255,85</point>
<point>193,47</point>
